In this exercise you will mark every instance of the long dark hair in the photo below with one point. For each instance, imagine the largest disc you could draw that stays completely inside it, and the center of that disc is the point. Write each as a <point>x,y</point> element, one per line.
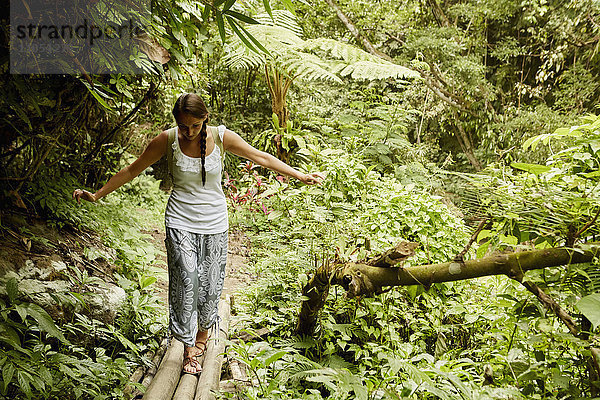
<point>192,104</point>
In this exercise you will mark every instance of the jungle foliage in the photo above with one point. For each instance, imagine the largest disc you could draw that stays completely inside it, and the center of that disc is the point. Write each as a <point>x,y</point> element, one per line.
<point>470,113</point>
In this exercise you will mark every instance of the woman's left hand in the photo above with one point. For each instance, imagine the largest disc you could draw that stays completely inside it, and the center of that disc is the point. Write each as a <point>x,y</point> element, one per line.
<point>314,178</point>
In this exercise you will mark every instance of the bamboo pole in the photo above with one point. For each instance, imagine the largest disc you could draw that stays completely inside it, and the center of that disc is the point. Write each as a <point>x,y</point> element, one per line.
<point>211,373</point>
<point>164,383</point>
<point>186,390</point>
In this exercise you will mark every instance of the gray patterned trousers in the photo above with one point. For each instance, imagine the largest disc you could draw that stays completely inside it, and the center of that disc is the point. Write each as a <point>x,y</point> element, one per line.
<point>196,276</point>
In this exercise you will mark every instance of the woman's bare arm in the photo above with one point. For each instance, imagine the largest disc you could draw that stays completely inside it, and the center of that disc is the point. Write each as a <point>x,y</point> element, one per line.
<point>153,152</point>
<point>234,143</point>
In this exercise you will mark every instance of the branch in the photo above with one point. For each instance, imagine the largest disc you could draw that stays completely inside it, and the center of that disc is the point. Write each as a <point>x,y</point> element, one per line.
<point>460,256</point>
<point>355,32</point>
<point>552,305</point>
<point>120,124</point>
<point>588,225</point>
<point>361,279</point>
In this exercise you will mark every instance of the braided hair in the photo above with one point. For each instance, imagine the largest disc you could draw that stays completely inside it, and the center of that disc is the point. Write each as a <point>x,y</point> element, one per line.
<point>192,104</point>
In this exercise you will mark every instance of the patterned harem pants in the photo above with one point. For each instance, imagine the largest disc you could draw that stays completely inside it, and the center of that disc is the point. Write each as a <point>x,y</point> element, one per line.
<point>196,276</point>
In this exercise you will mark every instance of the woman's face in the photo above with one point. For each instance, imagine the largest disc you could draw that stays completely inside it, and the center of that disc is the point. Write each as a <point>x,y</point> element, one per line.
<point>189,126</point>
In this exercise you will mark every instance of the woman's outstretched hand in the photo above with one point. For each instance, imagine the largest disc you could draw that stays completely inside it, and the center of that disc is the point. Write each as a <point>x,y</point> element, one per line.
<point>314,178</point>
<point>79,194</point>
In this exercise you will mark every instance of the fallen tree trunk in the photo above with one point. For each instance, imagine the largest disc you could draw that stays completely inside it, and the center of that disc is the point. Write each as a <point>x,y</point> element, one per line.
<point>367,280</point>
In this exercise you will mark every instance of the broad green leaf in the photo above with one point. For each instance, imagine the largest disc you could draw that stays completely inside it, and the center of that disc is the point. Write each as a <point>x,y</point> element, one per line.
<point>592,174</point>
<point>45,322</point>
<point>8,372</point>
<point>531,168</point>
<point>590,307</point>
<point>12,289</point>
<point>9,336</point>
<point>275,215</point>
<point>22,310</point>
<point>275,357</point>
<point>147,281</point>
<point>24,380</point>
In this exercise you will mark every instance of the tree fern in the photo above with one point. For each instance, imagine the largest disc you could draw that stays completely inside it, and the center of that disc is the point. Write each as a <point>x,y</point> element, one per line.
<point>282,19</point>
<point>313,59</point>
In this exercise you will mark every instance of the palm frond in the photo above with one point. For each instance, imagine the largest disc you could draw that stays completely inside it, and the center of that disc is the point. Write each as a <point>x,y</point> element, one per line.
<point>283,19</point>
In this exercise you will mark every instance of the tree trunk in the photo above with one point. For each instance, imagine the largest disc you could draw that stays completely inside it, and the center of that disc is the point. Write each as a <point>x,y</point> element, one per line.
<point>467,145</point>
<point>361,279</point>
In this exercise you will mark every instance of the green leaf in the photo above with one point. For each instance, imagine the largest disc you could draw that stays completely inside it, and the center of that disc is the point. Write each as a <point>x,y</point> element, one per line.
<point>206,13</point>
<point>592,174</point>
<point>217,3</point>
<point>8,372</point>
<point>147,281</point>
<point>241,17</point>
<point>275,357</point>
<point>228,5</point>
<point>45,322</point>
<point>9,336</point>
<point>590,307</point>
<point>275,215</point>
<point>236,28</point>
<point>96,93</point>
<point>289,5</point>
<point>531,168</point>
<point>12,289</point>
<point>254,40</point>
<point>24,383</point>
<point>220,24</point>
<point>22,310</point>
<point>267,5</point>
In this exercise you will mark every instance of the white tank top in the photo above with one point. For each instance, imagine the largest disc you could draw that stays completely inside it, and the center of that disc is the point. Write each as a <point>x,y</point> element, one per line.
<point>191,206</point>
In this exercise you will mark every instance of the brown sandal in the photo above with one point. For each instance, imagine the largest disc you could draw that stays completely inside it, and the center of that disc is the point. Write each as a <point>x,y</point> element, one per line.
<point>202,349</point>
<point>193,360</point>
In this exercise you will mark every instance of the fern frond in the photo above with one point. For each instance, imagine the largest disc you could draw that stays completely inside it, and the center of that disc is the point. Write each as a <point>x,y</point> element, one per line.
<point>283,19</point>
<point>309,67</point>
<point>338,50</point>
<point>314,59</point>
<point>369,70</point>
<point>276,39</point>
<point>358,63</point>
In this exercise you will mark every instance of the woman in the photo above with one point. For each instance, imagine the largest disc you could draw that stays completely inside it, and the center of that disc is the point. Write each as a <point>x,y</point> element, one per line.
<point>195,217</point>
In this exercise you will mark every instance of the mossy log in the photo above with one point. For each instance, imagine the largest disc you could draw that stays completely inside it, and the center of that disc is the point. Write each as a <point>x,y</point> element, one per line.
<point>360,279</point>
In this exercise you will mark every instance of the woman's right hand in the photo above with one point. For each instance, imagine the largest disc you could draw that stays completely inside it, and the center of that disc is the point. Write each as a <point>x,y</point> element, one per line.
<point>83,194</point>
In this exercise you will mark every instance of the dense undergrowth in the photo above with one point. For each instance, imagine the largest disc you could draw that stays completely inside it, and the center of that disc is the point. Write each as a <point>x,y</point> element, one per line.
<point>480,339</point>
<point>78,356</point>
